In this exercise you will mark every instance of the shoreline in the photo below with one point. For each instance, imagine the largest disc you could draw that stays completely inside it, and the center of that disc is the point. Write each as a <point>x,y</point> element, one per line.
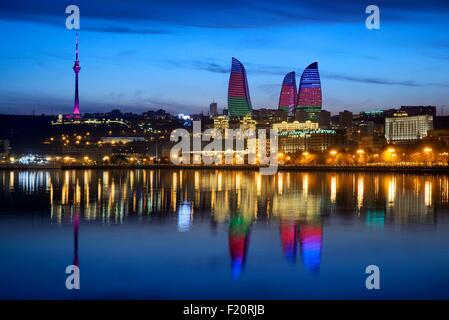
<point>323,168</point>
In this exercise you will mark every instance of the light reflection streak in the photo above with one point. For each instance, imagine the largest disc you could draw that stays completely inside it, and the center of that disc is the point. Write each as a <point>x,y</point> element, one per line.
<point>360,190</point>
<point>428,193</point>
<point>333,189</point>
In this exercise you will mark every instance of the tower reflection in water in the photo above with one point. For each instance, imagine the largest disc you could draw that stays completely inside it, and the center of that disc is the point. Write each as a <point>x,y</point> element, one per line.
<point>310,237</point>
<point>239,229</point>
<point>299,202</point>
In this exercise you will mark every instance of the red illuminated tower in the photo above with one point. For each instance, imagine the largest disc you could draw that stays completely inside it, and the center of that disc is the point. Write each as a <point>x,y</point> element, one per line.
<point>76,68</point>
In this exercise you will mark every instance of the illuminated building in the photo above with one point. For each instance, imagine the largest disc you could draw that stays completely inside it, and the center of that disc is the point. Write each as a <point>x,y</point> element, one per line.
<point>85,121</point>
<point>76,69</point>
<point>221,123</point>
<point>123,140</point>
<point>287,98</point>
<point>310,237</point>
<point>239,102</point>
<point>402,128</point>
<point>295,125</point>
<point>238,242</point>
<point>247,123</point>
<point>303,140</point>
<point>309,96</point>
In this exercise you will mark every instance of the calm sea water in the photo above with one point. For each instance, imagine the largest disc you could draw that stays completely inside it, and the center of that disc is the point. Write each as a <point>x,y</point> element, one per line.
<point>186,234</point>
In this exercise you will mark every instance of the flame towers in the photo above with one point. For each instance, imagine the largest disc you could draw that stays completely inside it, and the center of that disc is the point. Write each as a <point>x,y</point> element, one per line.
<point>287,98</point>
<point>239,102</point>
<point>76,69</point>
<point>309,97</point>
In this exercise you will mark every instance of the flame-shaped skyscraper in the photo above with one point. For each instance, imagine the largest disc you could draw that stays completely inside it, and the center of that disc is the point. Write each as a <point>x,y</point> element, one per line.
<point>239,102</point>
<point>287,98</point>
<point>309,96</point>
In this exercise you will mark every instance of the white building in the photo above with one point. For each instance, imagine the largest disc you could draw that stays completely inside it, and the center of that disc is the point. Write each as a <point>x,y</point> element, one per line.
<point>296,125</point>
<point>404,128</point>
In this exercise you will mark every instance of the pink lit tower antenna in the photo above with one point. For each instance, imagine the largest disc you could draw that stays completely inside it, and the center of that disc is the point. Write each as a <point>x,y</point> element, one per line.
<point>76,68</point>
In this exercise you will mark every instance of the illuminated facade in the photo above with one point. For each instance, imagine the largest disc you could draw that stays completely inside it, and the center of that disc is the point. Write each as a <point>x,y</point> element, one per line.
<point>221,123</point>
<point>76,69</point>
<point>287,98</point>
<point>303,140</point>
<point>295,125</point>
<point>247,123</point>
<point>403,128</point>
<point>239,102</point>
<point>309,96</point>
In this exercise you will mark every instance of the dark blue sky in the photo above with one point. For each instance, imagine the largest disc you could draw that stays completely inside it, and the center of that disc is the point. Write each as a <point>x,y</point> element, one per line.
<point>138,55</point>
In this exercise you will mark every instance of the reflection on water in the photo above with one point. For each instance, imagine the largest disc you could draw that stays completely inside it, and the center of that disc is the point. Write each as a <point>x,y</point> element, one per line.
<point>297,203</point>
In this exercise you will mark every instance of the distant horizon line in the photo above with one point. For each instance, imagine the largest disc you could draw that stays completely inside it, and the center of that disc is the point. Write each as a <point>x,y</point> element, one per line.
<point>441,108</point>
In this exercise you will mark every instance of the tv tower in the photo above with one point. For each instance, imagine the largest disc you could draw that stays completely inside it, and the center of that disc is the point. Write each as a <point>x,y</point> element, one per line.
<point>76,68</point>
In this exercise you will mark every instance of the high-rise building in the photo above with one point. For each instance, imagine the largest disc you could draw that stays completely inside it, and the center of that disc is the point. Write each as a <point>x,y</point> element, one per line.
<point>309,96</point>
<point>213,109</point>
<point>345,119</point>
<point>239,102</point>
<point>402,128</point>
<point>287,98</point>
<point>76,69</point>
<point>324,119</point>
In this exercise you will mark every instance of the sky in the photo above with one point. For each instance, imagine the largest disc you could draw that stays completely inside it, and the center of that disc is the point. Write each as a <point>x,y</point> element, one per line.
<point>138,55</point>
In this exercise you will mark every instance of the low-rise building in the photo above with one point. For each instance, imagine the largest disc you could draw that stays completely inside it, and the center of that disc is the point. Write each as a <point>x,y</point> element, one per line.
<point>402,128</point>
<point>304,140</point>
<point>295,125</point>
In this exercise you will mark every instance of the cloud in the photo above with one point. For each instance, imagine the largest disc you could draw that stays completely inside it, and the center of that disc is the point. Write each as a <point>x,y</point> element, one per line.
<point>214,67</point>
<point>379,81</point>
<point>253,68</point>
<point>135,16</point>
<point>126,30</point>
<point>406,83</point>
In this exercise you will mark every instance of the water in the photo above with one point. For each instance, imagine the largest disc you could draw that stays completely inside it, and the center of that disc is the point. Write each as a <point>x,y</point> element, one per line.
<point>194,234</point>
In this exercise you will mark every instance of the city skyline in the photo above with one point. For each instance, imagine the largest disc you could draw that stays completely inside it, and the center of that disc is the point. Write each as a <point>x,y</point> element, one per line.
<point>361,69</point>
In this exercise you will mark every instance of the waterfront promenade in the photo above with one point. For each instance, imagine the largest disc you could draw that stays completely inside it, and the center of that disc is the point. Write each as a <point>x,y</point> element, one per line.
<point>373,167</point>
